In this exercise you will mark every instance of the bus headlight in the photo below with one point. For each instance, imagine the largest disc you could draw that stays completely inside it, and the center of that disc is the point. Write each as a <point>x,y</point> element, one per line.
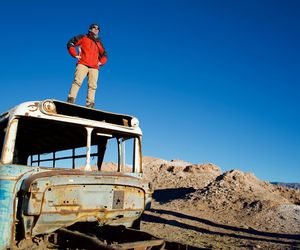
<point>49,107</point>
<point>134,122</point>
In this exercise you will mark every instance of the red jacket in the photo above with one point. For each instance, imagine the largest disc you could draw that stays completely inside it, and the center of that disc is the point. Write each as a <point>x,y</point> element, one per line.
<point>91,50</point>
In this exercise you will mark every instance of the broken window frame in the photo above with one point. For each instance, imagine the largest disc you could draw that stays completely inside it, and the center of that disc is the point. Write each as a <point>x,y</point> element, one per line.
<point>11,137</point>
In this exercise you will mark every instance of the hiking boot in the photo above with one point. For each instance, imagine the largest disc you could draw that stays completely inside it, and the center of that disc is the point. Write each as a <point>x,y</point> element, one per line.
<point>90,105</point>
<point>71,100</point>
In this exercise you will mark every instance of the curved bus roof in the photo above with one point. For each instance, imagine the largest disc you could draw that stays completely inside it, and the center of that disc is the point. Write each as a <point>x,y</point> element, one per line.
<point>51,109</point>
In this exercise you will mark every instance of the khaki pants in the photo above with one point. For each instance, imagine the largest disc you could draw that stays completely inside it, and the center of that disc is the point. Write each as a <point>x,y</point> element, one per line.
<point>80,73</point>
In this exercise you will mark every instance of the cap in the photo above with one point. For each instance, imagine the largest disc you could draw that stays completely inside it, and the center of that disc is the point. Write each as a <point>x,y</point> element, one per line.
<point>94,25</point>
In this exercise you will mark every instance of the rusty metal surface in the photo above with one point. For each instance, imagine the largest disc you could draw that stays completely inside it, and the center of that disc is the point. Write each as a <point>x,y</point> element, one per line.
<point>86,177</point>
<point>118,199</point>
<point>62,200</point>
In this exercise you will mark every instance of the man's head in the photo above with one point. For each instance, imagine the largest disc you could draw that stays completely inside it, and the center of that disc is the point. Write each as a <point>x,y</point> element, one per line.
<point>94,28</point>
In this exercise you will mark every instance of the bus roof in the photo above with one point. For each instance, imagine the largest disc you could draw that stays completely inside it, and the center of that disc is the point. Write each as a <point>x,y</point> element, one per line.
<point>66,112</point>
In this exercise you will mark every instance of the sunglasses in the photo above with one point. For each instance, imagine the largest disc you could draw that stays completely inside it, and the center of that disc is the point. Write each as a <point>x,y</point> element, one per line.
<point>95,27</point>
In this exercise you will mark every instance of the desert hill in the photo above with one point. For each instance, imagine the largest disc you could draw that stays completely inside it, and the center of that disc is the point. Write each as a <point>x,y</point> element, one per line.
<point>177,173</point>
<point>199,205</point>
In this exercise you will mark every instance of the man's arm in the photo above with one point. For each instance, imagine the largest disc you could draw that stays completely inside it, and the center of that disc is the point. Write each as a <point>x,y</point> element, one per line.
<point>102,54</point>
<point>71,45</point>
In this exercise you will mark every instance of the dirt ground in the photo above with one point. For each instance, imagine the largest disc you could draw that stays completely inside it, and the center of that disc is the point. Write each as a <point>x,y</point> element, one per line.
<point>198,205</point>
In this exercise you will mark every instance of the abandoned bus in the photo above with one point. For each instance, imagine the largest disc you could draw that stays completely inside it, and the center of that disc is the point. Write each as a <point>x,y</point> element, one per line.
<point>63,164</point>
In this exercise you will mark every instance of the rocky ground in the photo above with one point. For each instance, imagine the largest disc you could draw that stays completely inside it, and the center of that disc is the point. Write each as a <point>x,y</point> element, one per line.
<point>198,205</point>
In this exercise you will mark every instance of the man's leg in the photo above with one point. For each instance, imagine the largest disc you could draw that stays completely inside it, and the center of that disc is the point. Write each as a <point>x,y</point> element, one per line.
<point>92,86</point>
<point>80,73</point>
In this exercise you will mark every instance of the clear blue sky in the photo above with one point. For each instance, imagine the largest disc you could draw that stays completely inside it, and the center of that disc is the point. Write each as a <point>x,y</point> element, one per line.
<point>210,81</point>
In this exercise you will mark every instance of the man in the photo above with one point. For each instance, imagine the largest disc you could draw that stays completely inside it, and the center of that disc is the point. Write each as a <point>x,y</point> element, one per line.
<point>90,56</point>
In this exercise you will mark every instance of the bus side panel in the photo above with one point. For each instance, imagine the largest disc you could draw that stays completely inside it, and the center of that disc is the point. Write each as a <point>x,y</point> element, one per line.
<point>11,177</point>
<point>6,212</point>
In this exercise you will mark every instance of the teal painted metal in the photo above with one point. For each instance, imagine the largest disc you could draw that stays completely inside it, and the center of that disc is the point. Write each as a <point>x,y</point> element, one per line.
<point>11,177</point>
<point>6,212</point>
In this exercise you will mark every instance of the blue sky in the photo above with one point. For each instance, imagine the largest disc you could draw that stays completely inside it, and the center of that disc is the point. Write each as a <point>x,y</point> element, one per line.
<point>210,81</point>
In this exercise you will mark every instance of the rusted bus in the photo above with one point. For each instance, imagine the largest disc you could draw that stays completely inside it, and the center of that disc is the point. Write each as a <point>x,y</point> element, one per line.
<point>68,203</point>
<point>65,205</point>
<point>53,173</point>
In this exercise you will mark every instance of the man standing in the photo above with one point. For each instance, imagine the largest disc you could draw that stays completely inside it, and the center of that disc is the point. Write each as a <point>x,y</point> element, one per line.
<point>90,56</point>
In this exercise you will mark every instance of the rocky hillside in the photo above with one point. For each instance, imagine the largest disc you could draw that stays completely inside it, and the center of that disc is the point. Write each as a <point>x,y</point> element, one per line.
<point>178,173</point>
<point>200,195</point>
